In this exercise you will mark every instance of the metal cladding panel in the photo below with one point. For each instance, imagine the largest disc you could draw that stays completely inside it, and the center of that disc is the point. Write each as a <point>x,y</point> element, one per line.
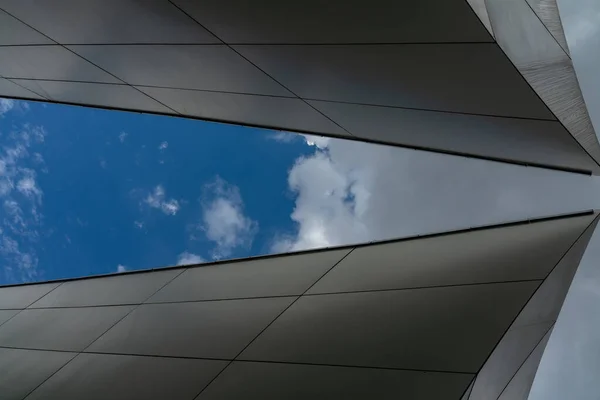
<point>545,65</point>
<point>13,32</point>
<point>5,315</point>
<point>21,371</point>
<point>110,290</point>
<point>280,276</point>
<point>271,381</point>
<point>68,329</point>
<point>18,297</point>
<point>213,329</point>
<point>337,21</point>
<point>507,139</point>
<point>467,394</point>
<point>96,94</point>
<point>102,376</point>
<point>109,21</point>
<point>278,112</point>
<point>514,253</point>
<point>210,67</point>
<point>547,12</point>
<point>462,78</point>
<point>48,62</point>
<point>10,89</point>
<point>435,329</point>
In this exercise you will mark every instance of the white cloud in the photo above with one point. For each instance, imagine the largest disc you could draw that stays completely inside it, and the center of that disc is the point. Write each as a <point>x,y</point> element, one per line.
<point>187,258</point>
<point>284,137</point>
<point>223,219</point>
<point>123,136</point>
<point>121,268</point>
<point>138,224</point>
<point>6,105</point>
<point>320,142</point>
<point>157,199</point>
<point>163,145</point>
<point>350,192</point>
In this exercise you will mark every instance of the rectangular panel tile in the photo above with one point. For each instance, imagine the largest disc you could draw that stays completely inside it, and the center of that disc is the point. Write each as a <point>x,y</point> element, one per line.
<point>279,276</point>
<point>5,315</point>
<point>100,377</point>
<point>217,329</point>
<point>12,32</point>
<point>10,89</point>
<point>314,21</point>
<point>21,371</point>
<point>188,67</point>
<point>48,62</point>
<point>110,290</point>
<point>493,255</point>
<point>530,141</point>
<point>94,94</point>
<point>276,112</point>
<point>441,329</point>
<point>471,78</point>
<point>69,329</point>
<point>266,381</point>
<point>109,21</point>
<point>23,296</point>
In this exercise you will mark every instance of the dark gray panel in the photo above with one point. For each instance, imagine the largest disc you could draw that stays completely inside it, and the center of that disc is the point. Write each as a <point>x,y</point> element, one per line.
<point>513,350</point>
<point>10,89</point>
<point>188,67</point>
<point>23,296</point>
<point>541,142</point>
<point>280,276</point>
<point>545,305</point>
<point>21,371</point>
<point>467,394</point>
<point>48,62</point>
<point>14,32</point>
<point>337,21</point>
<point>443,329</point>
<point>94,94</point>
<point>216,329</point>
<point>5,315</point>
<point>480,9</point>
<point>109,21</point>
<point>288,381</point>
<point>110,290</point>
<point>472,78</point>
<point>493,255</point>
<point>520,385</point>
<point>100,377</point>
<point>285,113</point>
<point>69,329</point>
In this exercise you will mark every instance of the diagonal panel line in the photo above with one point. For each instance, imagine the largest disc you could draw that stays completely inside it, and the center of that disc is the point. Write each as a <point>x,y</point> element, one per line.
<point>30,304</point>
<point>548,29</point>
<point>258,68</point>
<point>271,323</point>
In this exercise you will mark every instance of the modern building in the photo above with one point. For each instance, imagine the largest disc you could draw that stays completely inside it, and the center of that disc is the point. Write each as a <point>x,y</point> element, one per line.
<point>456,315</point>
<point>461,315</point>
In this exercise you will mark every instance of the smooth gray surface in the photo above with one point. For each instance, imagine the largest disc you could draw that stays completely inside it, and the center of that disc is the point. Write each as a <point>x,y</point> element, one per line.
<point>547,301</point>
<point>101,377</point>
<point>112,290</point>
<point>14,32</point>
<point>22,296</point>
<point>5,315</point>
<point>469,78</point>
<point>480,9</point>
<point>468,392</point>
<point>48,62</point>
<point>281,276</point>
<point>22,370</point>
<point>10,89</point>
<point>94,94</point>
<point>442,329</point>
<point>512,351</point>
<point>492,255</point>
<point>293,114</point>
<point>69,329</point>
<point>212,67</point>
<point>109,21</point>
<point>337,21</point>
<point>547,12</point>
<point>544,64</point>
<point>520,385</point>
<point>251,380</point>
<point>216,329</point>
<point>531,141</point>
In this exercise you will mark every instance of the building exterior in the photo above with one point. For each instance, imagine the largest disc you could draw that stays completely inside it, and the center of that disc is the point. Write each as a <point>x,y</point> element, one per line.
<point>457,315</point>
<point>484,78</point>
